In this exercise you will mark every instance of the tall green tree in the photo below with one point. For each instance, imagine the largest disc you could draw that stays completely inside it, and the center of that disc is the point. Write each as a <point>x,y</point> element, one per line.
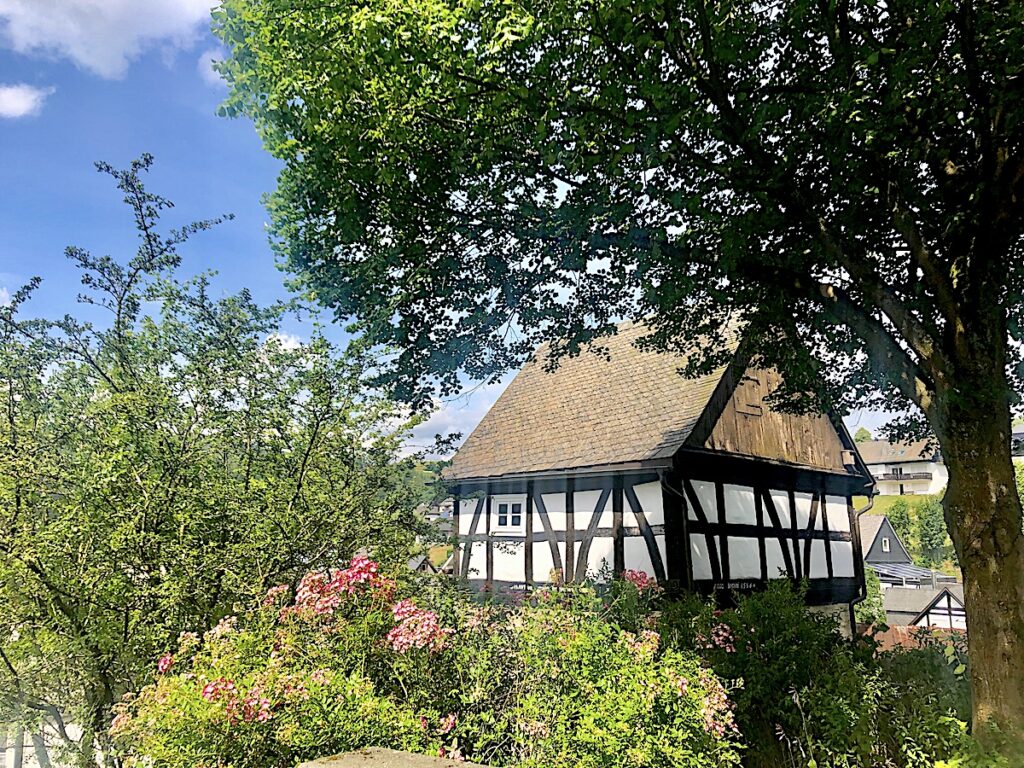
<point>863,435</point>
<point>163,465</point>
<point>930,532</point>
<point>899,516</point>
<point>471,178</point>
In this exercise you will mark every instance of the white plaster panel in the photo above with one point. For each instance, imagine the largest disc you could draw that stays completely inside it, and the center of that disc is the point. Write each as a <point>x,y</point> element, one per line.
<point>602,556</point>
<point>838,513</point>
<point>636,555</point>
<point>781,499</point>
<point>744,558</point>
<point>583,507</point>
<point>740,506</point>
<point>803,509</point>
<point>543,564</point>
<point>508,561</point>
<point>478,560</point>
<point>700,563</point>
<point>776,562</point>
<point>819,565</point>
<point>842,558</point>
<point>708,501</point>
<point>649,496</point>
<point>466,509</point>
<point>554,503</point>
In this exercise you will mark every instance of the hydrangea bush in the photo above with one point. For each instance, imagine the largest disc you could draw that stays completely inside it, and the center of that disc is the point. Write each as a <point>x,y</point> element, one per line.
<point>355,658</point>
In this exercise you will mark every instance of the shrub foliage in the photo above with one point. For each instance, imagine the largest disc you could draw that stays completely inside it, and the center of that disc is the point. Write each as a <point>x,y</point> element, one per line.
<point>567,677</point>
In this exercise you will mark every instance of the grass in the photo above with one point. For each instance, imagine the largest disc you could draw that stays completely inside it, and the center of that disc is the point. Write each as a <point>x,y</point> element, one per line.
<point>884,503</point>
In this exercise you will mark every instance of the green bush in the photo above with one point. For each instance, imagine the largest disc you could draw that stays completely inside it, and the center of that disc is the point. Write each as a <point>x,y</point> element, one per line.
<point>806,696</point>
<point>351,662</point>
<point>575,677</point>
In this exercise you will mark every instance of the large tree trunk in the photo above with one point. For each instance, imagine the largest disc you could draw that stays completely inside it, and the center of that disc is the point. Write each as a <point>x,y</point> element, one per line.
<point>983,513</point>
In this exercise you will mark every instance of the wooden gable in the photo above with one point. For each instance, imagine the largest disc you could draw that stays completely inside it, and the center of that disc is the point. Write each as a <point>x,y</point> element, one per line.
<point>748,426</point>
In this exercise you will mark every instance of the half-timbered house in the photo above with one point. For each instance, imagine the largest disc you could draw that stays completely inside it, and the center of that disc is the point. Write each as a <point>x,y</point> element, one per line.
<point>615,461</point>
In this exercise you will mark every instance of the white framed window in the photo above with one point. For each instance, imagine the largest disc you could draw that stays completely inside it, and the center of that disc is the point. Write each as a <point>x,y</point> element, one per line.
<point>509,514</point>
<point>886,544</point>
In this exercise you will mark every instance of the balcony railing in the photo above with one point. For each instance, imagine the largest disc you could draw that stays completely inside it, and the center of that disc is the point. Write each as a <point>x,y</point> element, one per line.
<point>904,476</point>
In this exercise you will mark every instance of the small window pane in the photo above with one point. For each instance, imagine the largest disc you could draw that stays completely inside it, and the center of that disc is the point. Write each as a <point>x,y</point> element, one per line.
<point>517,520</point>
<point>517,508</point>
<point>502,519</point>
<point>503,509</point>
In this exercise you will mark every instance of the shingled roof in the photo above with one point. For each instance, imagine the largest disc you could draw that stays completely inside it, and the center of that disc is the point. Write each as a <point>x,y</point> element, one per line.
<point>884,452</point>
<point>869,527</point>
<point>592,411</point>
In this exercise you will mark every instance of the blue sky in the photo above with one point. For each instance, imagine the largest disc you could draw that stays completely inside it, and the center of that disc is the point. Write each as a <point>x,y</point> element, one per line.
<point>82,81</point>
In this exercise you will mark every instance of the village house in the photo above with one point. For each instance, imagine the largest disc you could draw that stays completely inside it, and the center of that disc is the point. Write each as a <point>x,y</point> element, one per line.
<point>929,607</point>
<point>885,553</point>
<point>905,469</point>
<point>615,462</point>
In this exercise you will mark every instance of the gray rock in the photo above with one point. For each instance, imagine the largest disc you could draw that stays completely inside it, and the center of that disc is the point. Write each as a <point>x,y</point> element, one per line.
<point>372,757</point>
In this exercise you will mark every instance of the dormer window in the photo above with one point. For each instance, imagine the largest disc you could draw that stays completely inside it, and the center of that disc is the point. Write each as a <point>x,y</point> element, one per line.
<point>886,544</point>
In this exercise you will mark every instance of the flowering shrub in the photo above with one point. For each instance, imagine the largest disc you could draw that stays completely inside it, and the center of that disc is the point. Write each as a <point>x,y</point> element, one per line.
<point>351,661</point>
<point>805,694</point>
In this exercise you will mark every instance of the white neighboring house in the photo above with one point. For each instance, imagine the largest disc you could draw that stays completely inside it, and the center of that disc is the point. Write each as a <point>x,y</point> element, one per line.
<point>1017,444</point>
<point>905,469</point>
<point>935,608</point>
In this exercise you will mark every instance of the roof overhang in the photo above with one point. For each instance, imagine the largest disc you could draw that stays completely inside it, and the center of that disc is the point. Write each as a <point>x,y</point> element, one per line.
<point>652,465</point>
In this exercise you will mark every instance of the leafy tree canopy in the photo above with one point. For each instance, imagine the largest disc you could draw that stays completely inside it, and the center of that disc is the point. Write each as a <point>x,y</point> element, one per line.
<point>159,469</point>
<point>863,435</point>
<point>469,179</point>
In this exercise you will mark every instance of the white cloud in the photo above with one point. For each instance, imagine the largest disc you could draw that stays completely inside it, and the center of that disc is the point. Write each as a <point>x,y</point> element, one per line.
<point>102,36</point>
<point>287,341</point>
<point>205,67</point>
<point>5,296</point>
<point>22,100</point>
<point>458,415</point>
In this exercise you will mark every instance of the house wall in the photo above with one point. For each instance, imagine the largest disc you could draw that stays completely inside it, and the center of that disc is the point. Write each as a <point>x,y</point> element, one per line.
<point>934,485</point>
<point>568,540</point>
<point>896,554</point>
<point>947,613</point>
<point>705,533</point>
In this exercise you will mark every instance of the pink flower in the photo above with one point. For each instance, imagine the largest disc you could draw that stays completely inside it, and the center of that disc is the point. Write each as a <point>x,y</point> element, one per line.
<point>717,709</point>
<point>448,723</point>
<point>164,664</point>
<point>681,685</point>
<point>640,580</point>
<point>274,593</point>
<point>218,688</point>
<point>320,593</point>
<point>455,754</point>
<point>403,609</point>
<point>721,637</point>
<point>417,628</point>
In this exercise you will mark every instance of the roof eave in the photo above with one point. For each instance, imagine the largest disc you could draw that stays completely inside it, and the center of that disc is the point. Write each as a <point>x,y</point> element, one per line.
<point>647,465</point>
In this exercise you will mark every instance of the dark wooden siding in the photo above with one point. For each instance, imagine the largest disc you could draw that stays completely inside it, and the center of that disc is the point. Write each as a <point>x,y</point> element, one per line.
<point>897,552</point>
<point>748,427</point>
